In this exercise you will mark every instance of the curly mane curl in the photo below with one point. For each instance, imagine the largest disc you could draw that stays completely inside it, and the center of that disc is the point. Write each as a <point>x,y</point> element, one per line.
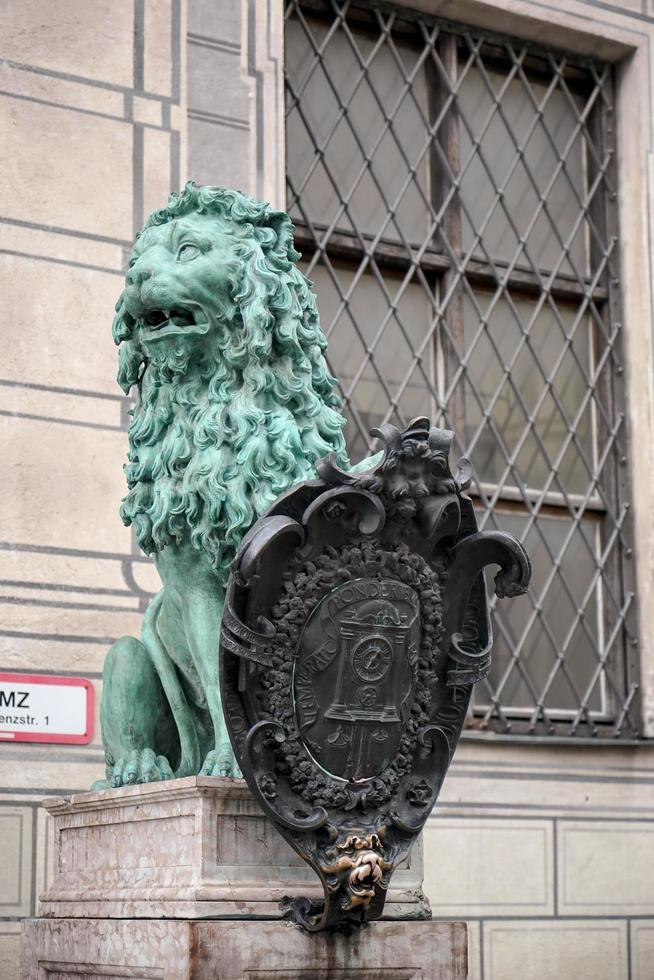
<point>217,435</point>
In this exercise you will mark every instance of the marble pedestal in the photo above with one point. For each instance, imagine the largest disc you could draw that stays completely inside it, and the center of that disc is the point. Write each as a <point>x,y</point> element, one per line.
<point>147,949</point>
<point>186,879</point>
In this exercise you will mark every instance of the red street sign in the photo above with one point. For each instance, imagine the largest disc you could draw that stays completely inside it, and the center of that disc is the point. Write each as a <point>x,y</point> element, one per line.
<point>46,708</point>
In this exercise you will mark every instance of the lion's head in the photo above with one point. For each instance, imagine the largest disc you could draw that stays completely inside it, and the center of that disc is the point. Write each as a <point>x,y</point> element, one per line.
<point>219,332</point>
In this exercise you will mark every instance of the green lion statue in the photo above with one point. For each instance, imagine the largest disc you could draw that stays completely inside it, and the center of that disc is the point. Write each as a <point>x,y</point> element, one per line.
<point>220,338</point>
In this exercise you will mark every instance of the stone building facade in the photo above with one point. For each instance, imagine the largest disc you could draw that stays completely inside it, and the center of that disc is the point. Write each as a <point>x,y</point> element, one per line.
<point>543,842</point>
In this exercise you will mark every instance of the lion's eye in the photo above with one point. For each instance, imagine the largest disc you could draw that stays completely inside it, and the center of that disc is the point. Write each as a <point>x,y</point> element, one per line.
<point>187,251</point>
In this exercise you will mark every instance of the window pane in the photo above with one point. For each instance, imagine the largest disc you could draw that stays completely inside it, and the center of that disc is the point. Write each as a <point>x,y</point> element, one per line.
<point>538,639</point>
<point>392,369</point>
<point>496,165</point>
<point>541,426</point>
<point>363,170</point>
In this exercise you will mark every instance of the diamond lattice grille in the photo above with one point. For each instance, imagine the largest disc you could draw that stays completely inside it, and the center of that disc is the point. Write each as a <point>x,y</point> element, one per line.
<point>454,199</point>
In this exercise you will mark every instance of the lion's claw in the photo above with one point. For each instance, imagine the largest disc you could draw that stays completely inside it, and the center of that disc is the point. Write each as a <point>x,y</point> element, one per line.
<point>221,762</point>
<point>140,766</point>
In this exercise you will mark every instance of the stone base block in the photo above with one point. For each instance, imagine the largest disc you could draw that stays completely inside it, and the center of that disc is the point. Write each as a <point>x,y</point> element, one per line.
<point>142,949</point>
<point>189,848</point>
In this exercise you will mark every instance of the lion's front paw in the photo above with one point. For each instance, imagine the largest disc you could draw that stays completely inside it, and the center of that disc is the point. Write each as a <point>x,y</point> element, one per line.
<point>141,766</point>
<point>221,762</point>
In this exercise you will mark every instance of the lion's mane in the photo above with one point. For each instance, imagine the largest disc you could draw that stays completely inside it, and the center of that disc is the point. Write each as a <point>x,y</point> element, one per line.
<point>215,437</point>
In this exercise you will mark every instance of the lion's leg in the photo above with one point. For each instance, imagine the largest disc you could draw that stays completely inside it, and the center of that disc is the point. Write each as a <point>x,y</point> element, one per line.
<point>202,614</point>
<point>138,728</point>
<point>220,760</point>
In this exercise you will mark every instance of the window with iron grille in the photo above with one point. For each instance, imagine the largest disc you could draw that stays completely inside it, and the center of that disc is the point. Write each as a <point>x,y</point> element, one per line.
<point>454,194</point>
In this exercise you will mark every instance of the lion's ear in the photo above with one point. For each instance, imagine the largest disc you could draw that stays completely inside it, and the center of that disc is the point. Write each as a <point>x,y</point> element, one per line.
<point>123,325</point>
<point>130,359</point>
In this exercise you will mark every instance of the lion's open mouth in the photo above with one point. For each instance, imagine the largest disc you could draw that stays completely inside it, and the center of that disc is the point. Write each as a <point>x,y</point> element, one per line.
<point>160,323</point>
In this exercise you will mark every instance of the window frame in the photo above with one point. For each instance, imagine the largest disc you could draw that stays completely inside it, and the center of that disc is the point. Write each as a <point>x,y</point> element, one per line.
<point>437,268</point>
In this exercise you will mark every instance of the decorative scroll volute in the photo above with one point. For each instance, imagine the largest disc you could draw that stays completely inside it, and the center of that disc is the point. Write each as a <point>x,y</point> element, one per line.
<point>355,625</point>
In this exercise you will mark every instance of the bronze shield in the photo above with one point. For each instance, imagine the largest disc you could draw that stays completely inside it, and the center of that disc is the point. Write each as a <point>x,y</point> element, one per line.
<point>355,625</point>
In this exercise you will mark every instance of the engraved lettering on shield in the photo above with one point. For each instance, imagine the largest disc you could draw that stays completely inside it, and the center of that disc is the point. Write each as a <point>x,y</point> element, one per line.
<point>353,678</point>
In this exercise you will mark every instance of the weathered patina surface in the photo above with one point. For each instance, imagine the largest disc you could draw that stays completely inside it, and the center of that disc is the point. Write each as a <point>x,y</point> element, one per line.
<point>221,344</point>
<point>355,625</point>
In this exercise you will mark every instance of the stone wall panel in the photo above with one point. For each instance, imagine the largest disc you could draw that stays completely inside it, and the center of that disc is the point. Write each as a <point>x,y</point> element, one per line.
<point>92,40</point>
<point>642,950</point>
<point>9,949</point>
<point>61,336</point>
<point>489,867</point>
<point>606,868</point>
<point>555,949</point>
<point>68,160</point>
<point>15,881</point>
<point>66,472</point>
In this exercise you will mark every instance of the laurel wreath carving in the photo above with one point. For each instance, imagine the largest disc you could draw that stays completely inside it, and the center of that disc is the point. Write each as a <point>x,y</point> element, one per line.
<point>305,584</point>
